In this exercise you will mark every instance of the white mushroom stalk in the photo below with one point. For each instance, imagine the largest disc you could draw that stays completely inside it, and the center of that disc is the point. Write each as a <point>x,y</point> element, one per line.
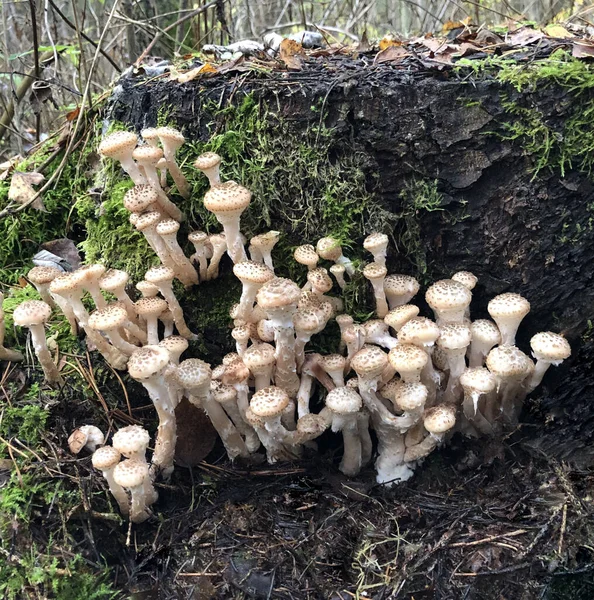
<point>253,276</point>
<point>132,475</point>
<point>89,275</point>
<point>210,163</point>
<point>508,311</point>
<point>376,275</point>
<point>41,277</point>
<point>34,314</point>
<point>329,248</point>
<point>172,140</point>
<point>334,365</point>
<point>478,385</point>
<point>114,281</point>
<point>150,308</point>
<point>262,246</point>
<point>485,335</point>
<point>377,244</point>
<point>454,340</point>
<point>168,229</point>
<point>119,146</point>
<point>111,320</point>
<point>227,202</point>
<point>437,421</point>
<point>307,322</point>
<point>376,332</point>
<point>549,349</point>
<point>198,239</point>
<point>105,460</point>
<point>338,271</point>
<point>268,405</point>
<point>260,360</point>
<point>219,247</point>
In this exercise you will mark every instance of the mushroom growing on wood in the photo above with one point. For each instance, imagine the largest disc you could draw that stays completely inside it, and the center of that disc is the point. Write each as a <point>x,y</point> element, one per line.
<point>119,146</point>
<point>330,249</point>
<point>41,277</point>
<point>400,289</point>
<point>449,300</point>
<point>549,349</point>
<point>377,244</point>
<point>210,163</point>
<point>199,239</point>
<point>253,276</point>
<point>167,229</point>
<point>261,247</point>
<point>105,459</point>
<point>34,314</point>
<point>172,140</point>
<point>132,475</point>
<point>485,335</point>
<point>114,281</point>
<point>111,320</point>
<point>508,310</point>
<point>149,308</point>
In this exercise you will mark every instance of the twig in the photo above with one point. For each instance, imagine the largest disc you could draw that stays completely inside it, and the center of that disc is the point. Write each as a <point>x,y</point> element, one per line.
<point>489,539</point>
<point>33,9</point>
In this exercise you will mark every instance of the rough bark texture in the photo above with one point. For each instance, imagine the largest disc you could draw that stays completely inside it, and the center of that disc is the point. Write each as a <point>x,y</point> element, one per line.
<point>498,220</point>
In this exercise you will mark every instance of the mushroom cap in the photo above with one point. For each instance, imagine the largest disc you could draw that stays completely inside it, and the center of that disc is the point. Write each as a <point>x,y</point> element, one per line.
<point>259,356</point>
<point>253,419</point>
<point>389,389</point>
<point>374,327</point>
<point>410,396</point>
<point>147,289</point>
<point>218,239</point>
<point>222,392</point>
<point>118,144</point>
<point>131,440</point>
<point>337,269</point>
<point>113,279</point>
<point>193,373</point>
<point>466,278</point>
<point>241,333</point>
<point>478,379</point>
<point>150,306</point>
<point>228,197</point>
<point>230,358</point>
<point>150,133</point>
<point>508,305</point>
<point>551,347</point>
<point>87,436</point>
<point>147,155</point>
<point>439,419</point>
<point>454,336</point>
<point>265,241</point>
<point>167,227</point>
<point>31,312</point>
<point>376,242</point>
<point>397,284</point>
<point>269,402</point>
<point>277,293</point>
<point>344,401</point>
<point>65,283</point>
<point>248,271</point>
<point>406,357</point>
<point>333,362</point>
<point>309,320</point>
<point>309,299</point>
<point>369,361</point>
<point>419,331</point>
<point>235,372</point>
<point>397,317</point>
<point>485,331</point>
<point>105,458</point>
<point>113,316</point>
<point>160,274</point>
<point>306,255</point>
<point>147,220</point>
<point>374,271</point>
<point>147,362</point>
<point>198,237</point>
<point>329,248</point>
<point>265,330</point>
<point>447,294</point>
<point>207,160</point>
<point>311,425</point>
<point>130,473</point>
<point>43,275</point>
<point>353,382</point>
<point>344,320</point>
<point>174,344</point>
<point>218,372</point>
<point>90,273</point>
<point>508,362</point>
<point>320,280</point>
<point>171,135</point>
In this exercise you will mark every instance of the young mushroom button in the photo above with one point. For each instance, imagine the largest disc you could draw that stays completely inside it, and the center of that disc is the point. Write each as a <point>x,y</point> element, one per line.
<point>210,163</point>
<point>329,249</point>
<point>449,300</point>
<point>400,289</point>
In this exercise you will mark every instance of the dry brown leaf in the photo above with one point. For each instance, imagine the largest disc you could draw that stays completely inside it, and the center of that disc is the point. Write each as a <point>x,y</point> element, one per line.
<point>524,36</point>
<point>390,54</point>
<point>389,41</point>
<point>557,31</point>
<point>434,44</point>
<point>8,165</point>
<point>466,49</point>
<point>449,25</point>
<point>290,53</point>
<point>21,188</point>
<point>205,69</point>
<point>582,49</point>
<point>70,116</point>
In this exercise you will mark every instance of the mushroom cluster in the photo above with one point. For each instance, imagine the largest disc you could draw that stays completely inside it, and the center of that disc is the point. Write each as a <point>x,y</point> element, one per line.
<point>411,379</point>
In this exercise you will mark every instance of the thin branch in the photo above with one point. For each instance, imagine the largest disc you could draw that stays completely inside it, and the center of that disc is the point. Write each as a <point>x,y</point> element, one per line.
<point>33,10</point>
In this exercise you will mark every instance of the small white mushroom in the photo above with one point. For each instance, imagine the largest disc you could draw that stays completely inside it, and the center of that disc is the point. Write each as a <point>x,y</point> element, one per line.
<point>400,289</point>
<point>172,140</point>
<point>549,349</point>
<point>449,300</point>
<point>377,244</point>
<point>88,437</point>
<point>105,459</point>
<point>119,146</point>
<point>132,475</point>
<point>508,311</point>
<point>376,274</point>
<point>209,163</point>
<point>330,249</point>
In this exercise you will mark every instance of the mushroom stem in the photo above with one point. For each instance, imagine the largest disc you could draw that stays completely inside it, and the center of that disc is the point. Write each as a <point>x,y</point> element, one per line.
<point>117,491</point>
<point>50,370</point>
<point>166,289</point>
<point>235,247</point>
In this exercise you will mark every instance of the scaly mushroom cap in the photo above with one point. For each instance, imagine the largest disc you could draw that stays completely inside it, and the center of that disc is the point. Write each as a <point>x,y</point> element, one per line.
<point>147,220</point>
<point>259,356</point>
<point>265,330</point>
<point>508,305</point>
<point>130,440</point>
<point>311,425</point>
<point>42,275</point>
<point>439,419</point>
<point>160,274</point>
<point>248,271</point>
<point>353,383</point>
<point>118,144</point>
<point>374,271</point>
<point>87,436</point>
<point>478,379</point>
<point>90,273</point>
<point>309,299</point>
<point>130,473</point>
<point>485,332</point>
<point>419,331</point>
<point>147,155</point>
<point>218,372</point>
<point>193,373</point>
<point>228,197</point>
<point>113,316</point>
<point>410,396</point>
<point>454,336</point>
<point>400,285</point>
<point>344,320</point>
<point>105,458</point>
<point>374,327</point>
<point>329,249</point>
<point>236,372</point>
<point>370,361</point>
<point>306,255</point>
<point>333,362</point>
<point>388,390</point>
<point>171,135</point>
<point>31,312</point>
<point>150,306</point>
<point>320,280</point>
<point>113,279</point>
<point>167,227</point>
<point>176,345</point>
<point>222,392</point>
<point>198,237</point>
<point>230,358</point>
<point>150,135</point>
<point>241,333</point>
<point>265,241</point>
<point>277,293</point>
<point>66,283</point>
<point>376,242</point>
<point>550,347</point>
<point>147,362</point>
<point>446,295</point>
<point>207,160</point>
<point>508,362</point>
<point>406,357</point>
<point>310,320</point>
<point>344,401</point>
<point>269,402</point>
<point>147,289</point>
<point>466,278</point>
<point>139,198</point>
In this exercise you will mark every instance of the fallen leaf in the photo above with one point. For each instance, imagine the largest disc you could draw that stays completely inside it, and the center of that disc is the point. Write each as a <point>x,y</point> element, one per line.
<point>8,165</point>
<point>582,49</point>
<point>449,25</point>
<point>22,191</point>
<point>64,252</point>
<point>205,69</point>
<point>390,54</point>
<point>290,53</point>
<point>389,41</point>
<point>524,36</point>
<point>466,49</point>
<point>557,31</point>
<point>70,116</point>
<point>434,44</point>
<point>485,37</point>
